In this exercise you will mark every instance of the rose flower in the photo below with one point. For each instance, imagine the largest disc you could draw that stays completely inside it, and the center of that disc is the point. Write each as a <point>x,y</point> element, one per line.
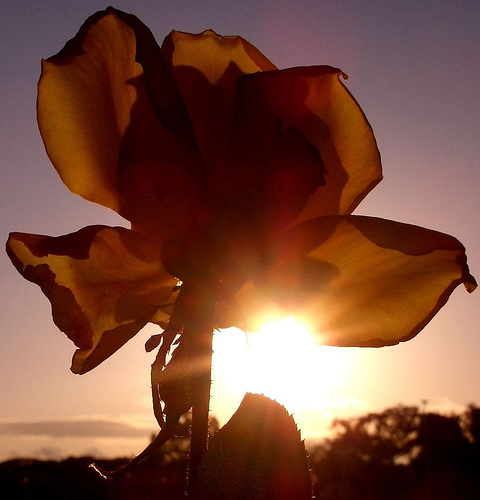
<point>239,181</point>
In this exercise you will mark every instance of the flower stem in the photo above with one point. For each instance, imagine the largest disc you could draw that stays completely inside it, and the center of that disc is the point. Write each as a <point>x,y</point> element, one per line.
<point>201,335</point>
<point>200,412</point>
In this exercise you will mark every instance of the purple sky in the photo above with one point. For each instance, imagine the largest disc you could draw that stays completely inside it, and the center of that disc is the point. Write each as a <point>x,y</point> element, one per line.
<point>413,67</point>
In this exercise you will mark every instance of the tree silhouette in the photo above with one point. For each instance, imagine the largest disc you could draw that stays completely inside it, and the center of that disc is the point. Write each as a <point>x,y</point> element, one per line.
<point>400,453</point>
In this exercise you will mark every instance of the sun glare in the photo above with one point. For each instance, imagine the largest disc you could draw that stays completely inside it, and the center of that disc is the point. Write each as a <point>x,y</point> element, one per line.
<point>283,361</point>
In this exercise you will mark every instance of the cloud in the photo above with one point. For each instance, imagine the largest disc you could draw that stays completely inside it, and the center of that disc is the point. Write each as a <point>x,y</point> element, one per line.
<point>77,428</point>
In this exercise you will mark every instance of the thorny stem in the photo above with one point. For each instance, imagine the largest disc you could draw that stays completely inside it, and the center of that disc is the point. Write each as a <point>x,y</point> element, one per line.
<point>200,412</point>
<point>198,312</point>
<point>201,332</point>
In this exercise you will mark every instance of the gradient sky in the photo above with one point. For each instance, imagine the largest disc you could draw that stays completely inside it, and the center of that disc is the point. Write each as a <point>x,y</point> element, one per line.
<point>413,67</point>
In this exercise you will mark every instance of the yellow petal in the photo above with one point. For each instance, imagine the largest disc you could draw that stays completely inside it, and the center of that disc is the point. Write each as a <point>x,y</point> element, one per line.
<point>360,281</point>
<point>207,67</point>
<point>112,139</point>
<point>214,55</point>
<point>314,101</point>
<point>104,285</point>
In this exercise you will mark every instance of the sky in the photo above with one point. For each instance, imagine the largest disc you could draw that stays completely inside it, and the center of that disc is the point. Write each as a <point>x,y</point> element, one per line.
<point>414,69</point>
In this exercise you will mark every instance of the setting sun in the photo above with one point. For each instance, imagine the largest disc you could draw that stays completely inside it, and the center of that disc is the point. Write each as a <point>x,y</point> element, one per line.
<point>282,361</point>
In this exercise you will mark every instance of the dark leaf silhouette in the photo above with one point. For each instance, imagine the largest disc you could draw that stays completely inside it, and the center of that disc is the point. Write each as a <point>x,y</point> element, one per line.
<point>257,455</point>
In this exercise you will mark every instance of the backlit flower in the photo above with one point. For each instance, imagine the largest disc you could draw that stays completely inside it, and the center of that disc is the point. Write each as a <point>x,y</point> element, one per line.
<point>238,179</point>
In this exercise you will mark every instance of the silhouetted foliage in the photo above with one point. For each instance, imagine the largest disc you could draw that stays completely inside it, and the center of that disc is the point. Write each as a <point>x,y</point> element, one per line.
<point>72,479</point>
<point>401,453</point>
<point>160,476</point>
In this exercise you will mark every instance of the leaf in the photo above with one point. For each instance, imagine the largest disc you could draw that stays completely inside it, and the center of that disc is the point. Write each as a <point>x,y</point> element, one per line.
<point>258,454</point>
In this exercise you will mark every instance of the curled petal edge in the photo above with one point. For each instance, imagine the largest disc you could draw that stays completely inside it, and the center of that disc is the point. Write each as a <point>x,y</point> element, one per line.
<point>104,285</point>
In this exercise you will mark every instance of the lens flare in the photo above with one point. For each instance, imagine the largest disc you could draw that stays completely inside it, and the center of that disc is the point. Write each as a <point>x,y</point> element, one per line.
<point>282,361</point>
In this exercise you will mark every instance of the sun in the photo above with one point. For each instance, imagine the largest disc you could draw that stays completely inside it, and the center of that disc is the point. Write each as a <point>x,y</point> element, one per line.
<point>283,361</point>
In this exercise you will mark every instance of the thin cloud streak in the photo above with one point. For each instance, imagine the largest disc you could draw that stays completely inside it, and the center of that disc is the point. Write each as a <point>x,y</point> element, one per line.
<point>91,428</point>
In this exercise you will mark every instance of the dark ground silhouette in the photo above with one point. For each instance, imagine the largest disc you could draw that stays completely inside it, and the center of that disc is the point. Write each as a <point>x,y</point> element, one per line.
<point>400,453</point>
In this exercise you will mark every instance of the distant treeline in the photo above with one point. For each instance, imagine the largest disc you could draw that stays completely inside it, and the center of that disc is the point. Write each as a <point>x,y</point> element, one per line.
<point>400,453</point>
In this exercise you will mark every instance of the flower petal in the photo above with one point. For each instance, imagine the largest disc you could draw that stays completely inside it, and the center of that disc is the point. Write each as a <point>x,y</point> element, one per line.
<point>360,281</point>
<point>214,55</point>
<point>207,67</point>
<point>269,177</point>
<point>98,117</point>
<point>315,102</point>
<point>104,285</point>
